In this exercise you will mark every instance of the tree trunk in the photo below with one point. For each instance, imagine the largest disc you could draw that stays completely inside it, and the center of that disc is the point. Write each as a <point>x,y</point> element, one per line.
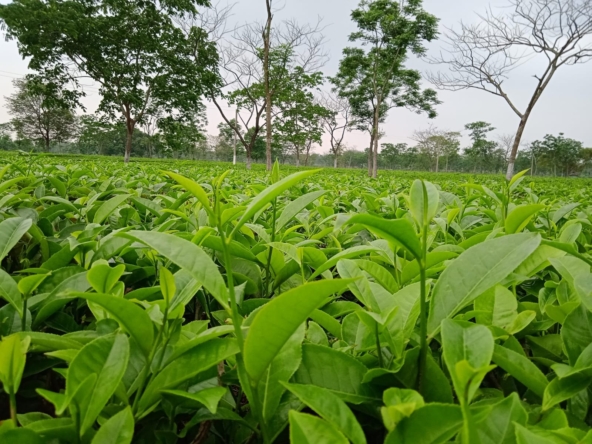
<point>128,140</point>
<point>266,50</point>
<point>46,144</point>
<point>437,162</point>
<point>297,156</point>
<point>515,146</point>
<point>335,161</point>
<point>248,162</point>
<point>370,154</point>
<point>374,149</point>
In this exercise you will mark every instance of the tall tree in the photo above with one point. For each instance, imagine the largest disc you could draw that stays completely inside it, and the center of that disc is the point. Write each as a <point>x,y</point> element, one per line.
<point>299,117</point>
<point>38,113</point>
<point>546,34</point>
<point>435,143</point>
<point>481,151</point>
<point>133,50</point>
<point>374,73</point>
<point>242,67</point>
<point>559,153</point>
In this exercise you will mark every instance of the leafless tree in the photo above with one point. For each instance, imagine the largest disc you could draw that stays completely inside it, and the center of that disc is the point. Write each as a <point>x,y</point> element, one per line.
<point>505,142</point>
<point>482,56</point>
<point>248,85</point>
<point>337,123</point>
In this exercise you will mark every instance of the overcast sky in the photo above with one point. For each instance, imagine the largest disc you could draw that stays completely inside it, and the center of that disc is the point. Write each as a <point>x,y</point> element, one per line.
<point>566,105</point>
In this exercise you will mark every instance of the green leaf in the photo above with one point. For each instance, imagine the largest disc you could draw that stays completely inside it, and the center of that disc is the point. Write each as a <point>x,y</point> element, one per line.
<point>497,306</point>
<point>13,351</point>
<point>331,408</point>
<point>21,436</point>
<point>308,429</point>
<point>194,260</point>
<point>519,218</point>
<point>334,370</point>
<point>208,398</point>
<point>277,320</point>
<point>399,404</point>
<point>167,285</point>
<point>281,369</point>
<point>102,277</point>
<point>345,254</point>
<point>399,231</point>
<point>109,207</point>
<point>516,177</point>
<point>294,207</point>
<point>475,271</point>
<point>564,211</point>
<point>10,293</point>
<point>499,425</point>
<point>107,358</point>
<point>468,349</point>
<point>431,424</point>
<point>119,429</point>
<point>421,211</point>
<point>411,269</point>
<point>521,368</point>
<point>194,188</point>
<point>11,231</point>
<point>270,193</point>
<point>525,436</point>
<point>134,319</point>
<point>566,386</point>
<point>60,296</point>
<point>576,332</point>
<point>185,367</point>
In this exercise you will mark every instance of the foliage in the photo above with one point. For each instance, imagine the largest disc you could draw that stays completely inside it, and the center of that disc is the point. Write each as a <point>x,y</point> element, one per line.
<point>374,80</point>
<point>201,304</point>
<point>39,114</point>
<point>132,50</point>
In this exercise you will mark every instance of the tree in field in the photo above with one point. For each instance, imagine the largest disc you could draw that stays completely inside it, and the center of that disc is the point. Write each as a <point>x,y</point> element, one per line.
<point>560,154</point>
<point>391,153</point>
<point>133,50</point>
<point>372,77</point>
<point>546,34</point>
<point>434,144</point>
<point>254,73</point>
<point>299,117</point>
<point>481,152</point>
<point>39,113</point>
<point>225,141</point>
<point>336,123</point>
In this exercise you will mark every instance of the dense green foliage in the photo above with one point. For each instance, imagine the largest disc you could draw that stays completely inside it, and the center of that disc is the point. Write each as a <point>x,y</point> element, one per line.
<point>179,302</point>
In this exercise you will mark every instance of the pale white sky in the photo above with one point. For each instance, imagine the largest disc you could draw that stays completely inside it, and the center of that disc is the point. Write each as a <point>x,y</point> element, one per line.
<point>565,106</point>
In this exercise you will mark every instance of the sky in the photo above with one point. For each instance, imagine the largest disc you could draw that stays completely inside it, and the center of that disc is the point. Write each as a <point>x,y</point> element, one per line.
<point>564,107</point>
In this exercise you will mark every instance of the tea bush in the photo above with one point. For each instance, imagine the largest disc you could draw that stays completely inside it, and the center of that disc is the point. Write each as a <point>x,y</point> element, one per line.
<point>168,302</point>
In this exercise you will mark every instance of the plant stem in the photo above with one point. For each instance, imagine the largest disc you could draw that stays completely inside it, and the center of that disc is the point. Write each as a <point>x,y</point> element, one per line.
<point>12,400</point>
<point>423,305</point>
<point>268,265</point>
<point>24,318</point>
<point>378,348</point>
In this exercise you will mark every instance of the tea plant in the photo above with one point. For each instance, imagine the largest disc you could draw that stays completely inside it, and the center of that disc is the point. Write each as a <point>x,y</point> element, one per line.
<point>180,302</point>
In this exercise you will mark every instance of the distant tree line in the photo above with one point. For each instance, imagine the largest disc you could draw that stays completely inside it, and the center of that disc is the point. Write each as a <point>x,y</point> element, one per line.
<point>157,64</point>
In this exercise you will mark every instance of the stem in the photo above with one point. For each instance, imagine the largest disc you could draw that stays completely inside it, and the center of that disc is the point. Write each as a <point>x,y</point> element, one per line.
<point>423,329</point>
<point>423,306</point>
<point>12,400</point>
<point>378,349</point>
<point>268,265</point>
<point>24,318</point>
